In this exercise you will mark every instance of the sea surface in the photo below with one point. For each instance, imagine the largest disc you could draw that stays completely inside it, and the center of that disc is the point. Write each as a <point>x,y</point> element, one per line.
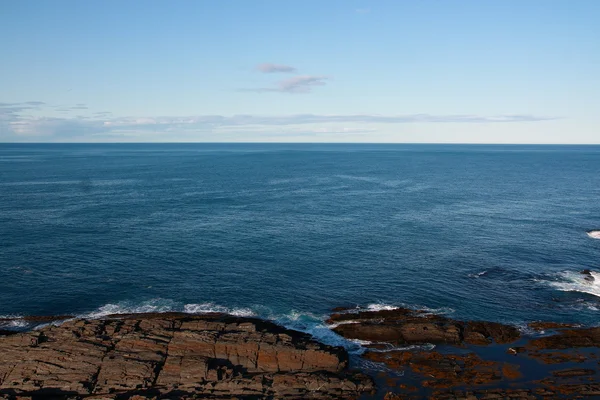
<point>288,232</point>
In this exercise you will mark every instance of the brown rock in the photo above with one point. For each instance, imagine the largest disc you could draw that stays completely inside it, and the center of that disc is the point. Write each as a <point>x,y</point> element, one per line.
<point>404,326</point>
<point>585,337</point>
<point>573,372</point>
<point>215,355</point>
<point>499,333</point>
<point>441,370</point>
<point>545,325</point>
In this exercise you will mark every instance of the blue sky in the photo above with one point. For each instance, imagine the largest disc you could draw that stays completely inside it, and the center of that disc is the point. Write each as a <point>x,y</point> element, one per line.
<point>466,71</point>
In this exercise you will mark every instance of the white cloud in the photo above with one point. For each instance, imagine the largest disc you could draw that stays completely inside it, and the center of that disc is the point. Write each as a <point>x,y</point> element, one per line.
<point>19,126</point>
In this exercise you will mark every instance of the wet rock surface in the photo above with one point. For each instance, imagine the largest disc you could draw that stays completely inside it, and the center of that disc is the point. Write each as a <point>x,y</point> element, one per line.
<point>473,359</point>
<point>182,356</point>
<point>403,326</point>
<point>173,356</point>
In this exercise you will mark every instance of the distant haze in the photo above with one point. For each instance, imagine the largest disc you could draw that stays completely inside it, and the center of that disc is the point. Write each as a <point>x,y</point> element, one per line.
<point>463,71</point>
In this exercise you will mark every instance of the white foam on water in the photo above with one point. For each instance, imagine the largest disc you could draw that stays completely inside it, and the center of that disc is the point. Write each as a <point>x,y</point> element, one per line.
<point>436,311</point>
<point>525,330</point>
<point>389,347</point>
<point>336,324</point>
<point>594,234</point>
<point>165,305</point>
<point>389,307</point>
<point>306,322</point>
<point>150,306</point>
<point>315,326</point>
<point>361,342</point>
<point>570,281</point>
<point>13,322</point>
<point>478,274</point>
<point>381,307</point>
<point>205,308</point>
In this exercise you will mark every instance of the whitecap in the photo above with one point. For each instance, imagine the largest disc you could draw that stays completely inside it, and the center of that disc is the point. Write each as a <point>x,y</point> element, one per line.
<point>162,306</point>
<point>336,324</point>
<point>571,281</point>
<point>478,274</point>
<point>381,307</point>
<point>151,306</point>
<point>389,307</point>
<point>594,234</point>
<point>11,322</point>
<point>205,308</point>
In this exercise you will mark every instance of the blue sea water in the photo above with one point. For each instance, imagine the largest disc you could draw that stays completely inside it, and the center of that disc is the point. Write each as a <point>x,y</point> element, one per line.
<point>289,231</point>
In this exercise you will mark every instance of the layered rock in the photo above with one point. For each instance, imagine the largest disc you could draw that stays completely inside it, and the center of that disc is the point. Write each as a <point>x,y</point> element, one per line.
<point>214,356</point>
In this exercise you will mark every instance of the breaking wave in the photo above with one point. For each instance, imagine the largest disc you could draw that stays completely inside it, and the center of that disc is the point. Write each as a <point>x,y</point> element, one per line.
<point>164,305</point>
<point>13,322</point>
<point>594,234</point>
<point>385,307</point>
<point>570,281</point>
<point>310,323</point>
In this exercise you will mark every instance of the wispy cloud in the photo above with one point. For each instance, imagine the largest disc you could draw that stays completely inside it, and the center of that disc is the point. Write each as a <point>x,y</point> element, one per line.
<point>8,109</point>
<point>297,84</point>
<point>55,127</point>
<point>269,68</point>
<point>301,84</point>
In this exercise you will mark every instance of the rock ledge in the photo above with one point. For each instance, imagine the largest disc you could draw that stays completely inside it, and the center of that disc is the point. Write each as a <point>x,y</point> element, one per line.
<point>176,355</point>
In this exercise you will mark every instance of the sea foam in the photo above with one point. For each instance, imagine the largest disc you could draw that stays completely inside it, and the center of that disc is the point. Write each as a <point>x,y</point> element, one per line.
<point>165,305</point>
<point>570,281</point>
<point>594,234</point>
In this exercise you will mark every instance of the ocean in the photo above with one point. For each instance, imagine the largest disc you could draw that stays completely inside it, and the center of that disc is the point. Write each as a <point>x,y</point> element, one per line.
<point>289,231</point>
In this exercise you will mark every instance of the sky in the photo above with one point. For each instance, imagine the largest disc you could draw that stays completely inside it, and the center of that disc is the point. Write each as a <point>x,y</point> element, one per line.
<point>392,71</point>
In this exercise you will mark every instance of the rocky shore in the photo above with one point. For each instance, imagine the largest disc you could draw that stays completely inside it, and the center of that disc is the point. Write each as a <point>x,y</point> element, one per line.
<point>408,355</point>
<point>473,359</point>
<point>173,356</point>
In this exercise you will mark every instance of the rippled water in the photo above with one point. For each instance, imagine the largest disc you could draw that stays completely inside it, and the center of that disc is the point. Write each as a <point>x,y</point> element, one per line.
<point>290,231</point>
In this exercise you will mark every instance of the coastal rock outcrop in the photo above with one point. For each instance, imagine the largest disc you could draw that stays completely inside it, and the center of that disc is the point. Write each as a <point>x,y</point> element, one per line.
<point>404,326</point>
<point>179,355</point>
<point>473,359</point>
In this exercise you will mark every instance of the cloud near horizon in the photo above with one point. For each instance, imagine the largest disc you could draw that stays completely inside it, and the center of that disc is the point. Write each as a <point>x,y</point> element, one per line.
<point>14,125</point>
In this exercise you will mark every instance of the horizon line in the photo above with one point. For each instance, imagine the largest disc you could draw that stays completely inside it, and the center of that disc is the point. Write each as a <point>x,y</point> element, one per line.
<point>331,143</point>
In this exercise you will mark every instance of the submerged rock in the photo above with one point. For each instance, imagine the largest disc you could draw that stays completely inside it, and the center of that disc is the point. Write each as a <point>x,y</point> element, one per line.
<point>176,355</point>
<point>587,275</point>
<point>471,359</point>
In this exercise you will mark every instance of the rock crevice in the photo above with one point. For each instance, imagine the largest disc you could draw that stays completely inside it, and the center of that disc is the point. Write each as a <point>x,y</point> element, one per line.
<point>218,356</point>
